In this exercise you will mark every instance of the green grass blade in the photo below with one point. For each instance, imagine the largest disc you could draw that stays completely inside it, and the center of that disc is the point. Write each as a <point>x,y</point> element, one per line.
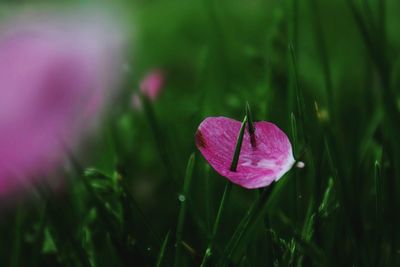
<point>69,248</point>
<point>246,223</point>
<point>250,124</point>
<point>323,53</point>
<point>238,147</point>
<point>294,133</point>
<point>40,236</point>
<point>208,198</point>
<point>299,93</point>
<point>132,205</point>
<point>378,193</point>
<point>378,212</point>
<point>249,119</point>
<point>159,138</point>
<point>325,207</point>
<point>334,172</point>
<point>225,196</point>
<point>16,246</point>
<point>228,186</point>
<point>182,211</point>
<point>297,193</point>
<point>162,250</point>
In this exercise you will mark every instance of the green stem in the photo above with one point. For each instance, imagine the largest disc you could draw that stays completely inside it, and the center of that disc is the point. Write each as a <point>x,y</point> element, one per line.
<point>182,211</point>
<point>225,196</point>
<point>160,139</point>
<point>247,222</point>
<point>238,148</point>
<point>378,212</point>
<point>162,250</point>
<point>250,125</point>
<point>299,94</point>
<point>228,186</point>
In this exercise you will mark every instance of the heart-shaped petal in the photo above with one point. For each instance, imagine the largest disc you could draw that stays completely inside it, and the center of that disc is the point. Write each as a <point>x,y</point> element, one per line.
<point>258,166</point>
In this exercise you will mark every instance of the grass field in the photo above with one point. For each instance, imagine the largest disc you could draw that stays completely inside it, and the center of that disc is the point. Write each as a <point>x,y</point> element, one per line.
<point>139,193</point>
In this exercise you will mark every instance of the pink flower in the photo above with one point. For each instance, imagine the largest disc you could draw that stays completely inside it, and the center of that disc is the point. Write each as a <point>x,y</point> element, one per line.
<point>258,166</point>
<point>152,84</point>
<point>150,87</point>
<point>54,75</point>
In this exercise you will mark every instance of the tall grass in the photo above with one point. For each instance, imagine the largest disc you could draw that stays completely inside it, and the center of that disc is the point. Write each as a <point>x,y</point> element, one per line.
<point>327,72</point>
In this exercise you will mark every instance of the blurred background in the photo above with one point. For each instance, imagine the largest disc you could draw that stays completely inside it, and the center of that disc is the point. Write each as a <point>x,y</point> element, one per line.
<point>326,72</point>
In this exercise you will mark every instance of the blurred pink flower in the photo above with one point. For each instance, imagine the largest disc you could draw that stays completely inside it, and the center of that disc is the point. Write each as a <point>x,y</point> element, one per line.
<point>258,166</point>
<point>152,84</point>
<point>151,87</point>
<point>54,75</point>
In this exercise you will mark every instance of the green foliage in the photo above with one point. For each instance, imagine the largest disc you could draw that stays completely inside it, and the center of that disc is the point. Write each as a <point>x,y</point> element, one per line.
<point>327,72</point>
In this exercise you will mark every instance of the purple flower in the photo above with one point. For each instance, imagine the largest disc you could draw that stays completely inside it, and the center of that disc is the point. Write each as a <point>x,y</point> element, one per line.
<point>258,165</point>
<point>54,76</point>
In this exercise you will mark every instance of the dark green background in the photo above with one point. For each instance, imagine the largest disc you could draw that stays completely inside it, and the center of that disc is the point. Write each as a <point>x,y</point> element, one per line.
<point>326,72</point>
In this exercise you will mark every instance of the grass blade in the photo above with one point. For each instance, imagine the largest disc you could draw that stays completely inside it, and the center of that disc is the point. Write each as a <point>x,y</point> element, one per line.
<point>208,198</point>
<point>323,53</point>
<point>162,250</point>
<point>225,196</point>
<point>247,222</point>
<point>16,246</point>
<point>182,211</point>
<point>159,138</point>
<point>250,124</point>
<point>294,133</point>
<point>228,186</point>
<point>378,193</point>
<point>378,212</point>
<point>299,92</point>
<point>238,148</point>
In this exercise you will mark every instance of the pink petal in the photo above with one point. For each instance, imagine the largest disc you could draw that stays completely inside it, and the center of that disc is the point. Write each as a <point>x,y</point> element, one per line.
<point>257,167</point>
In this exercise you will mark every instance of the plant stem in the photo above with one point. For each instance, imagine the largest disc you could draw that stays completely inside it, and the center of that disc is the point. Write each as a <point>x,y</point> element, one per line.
<point>247,222</point>
<point>238,148</point>
<point>251,127</point>
<point>162,250</point>
<point>225,196</point>
<point>182,210</point>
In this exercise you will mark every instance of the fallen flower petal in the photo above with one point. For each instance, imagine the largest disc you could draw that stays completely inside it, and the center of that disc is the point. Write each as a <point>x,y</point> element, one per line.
<point>258,166</point>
